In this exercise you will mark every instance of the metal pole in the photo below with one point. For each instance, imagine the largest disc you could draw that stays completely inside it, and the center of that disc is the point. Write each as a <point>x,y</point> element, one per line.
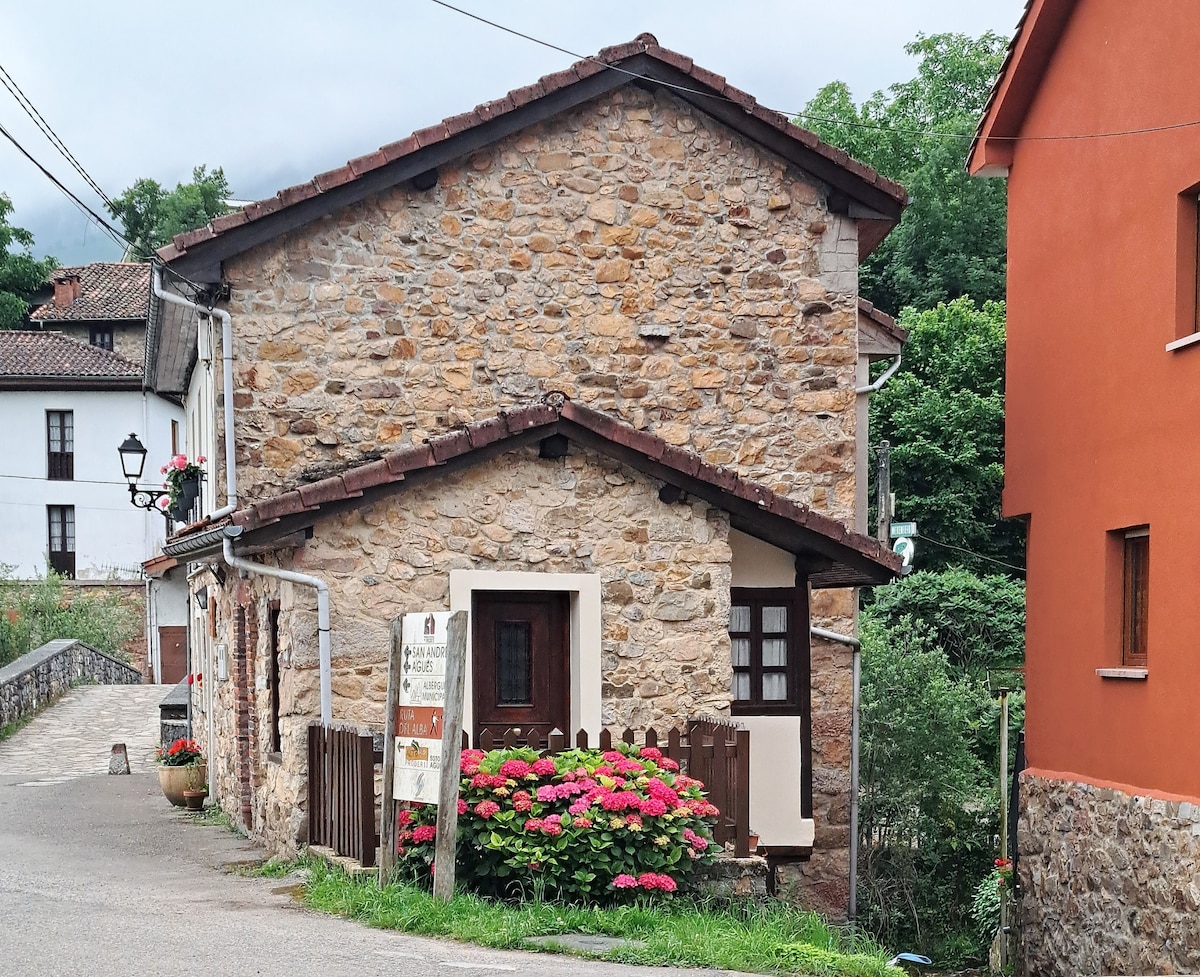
<point>856,673</point>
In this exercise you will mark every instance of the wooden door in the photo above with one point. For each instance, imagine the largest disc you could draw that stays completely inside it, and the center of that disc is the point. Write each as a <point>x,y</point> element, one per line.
<point>521,662</point>
<point>172,654</point>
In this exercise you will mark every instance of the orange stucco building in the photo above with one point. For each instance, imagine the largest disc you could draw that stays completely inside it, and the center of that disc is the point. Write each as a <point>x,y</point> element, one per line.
<point>1095,122</point>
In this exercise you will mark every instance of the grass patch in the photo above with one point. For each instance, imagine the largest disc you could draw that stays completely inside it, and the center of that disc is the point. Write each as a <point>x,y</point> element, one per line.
<point>16,725</point>
<point>276,868</point>
<point>773,939</point>
<point>214,817</point>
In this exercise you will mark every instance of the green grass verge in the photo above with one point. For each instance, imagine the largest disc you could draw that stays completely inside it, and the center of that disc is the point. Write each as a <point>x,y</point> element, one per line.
<point>15,725</point>
<point>773,939</point>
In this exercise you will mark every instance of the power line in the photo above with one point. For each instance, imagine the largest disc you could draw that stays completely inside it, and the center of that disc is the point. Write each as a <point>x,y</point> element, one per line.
<point>899,130</point>
<point>116,235</point>
<point>978,556</point>
<point>73,481</point>
<point>39,120</point>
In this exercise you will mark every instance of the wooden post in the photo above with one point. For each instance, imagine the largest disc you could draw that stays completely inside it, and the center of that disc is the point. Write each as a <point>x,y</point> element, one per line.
<point>452,724</point>
<point>883,497</point>
<point>1004,896</point>
<point>387,804</point>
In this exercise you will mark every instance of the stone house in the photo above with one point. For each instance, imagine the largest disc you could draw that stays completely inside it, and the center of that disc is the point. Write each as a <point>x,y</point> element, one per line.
<point>585,361</point>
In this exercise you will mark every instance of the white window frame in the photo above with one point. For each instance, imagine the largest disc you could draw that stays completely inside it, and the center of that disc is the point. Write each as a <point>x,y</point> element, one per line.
<point>586,633</point>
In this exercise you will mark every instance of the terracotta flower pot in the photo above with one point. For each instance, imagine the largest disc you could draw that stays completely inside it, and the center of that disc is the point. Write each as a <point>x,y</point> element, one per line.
<point>175,780</point>
<point>194,799</point>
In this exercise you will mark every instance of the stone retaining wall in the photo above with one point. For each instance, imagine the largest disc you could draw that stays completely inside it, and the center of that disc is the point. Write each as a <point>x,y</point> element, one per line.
<point>37,679</point>
<point>1110,880</point>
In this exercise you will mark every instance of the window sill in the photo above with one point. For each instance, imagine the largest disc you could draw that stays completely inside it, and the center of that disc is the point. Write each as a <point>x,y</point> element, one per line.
<point>1184,342</point>
<point>1131,673</point>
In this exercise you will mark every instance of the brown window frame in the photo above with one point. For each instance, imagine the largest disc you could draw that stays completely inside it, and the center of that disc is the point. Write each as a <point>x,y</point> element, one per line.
<point>60,465</point>
<point>796,601</point>
<point>61,560</point>
<point>1135,596</point>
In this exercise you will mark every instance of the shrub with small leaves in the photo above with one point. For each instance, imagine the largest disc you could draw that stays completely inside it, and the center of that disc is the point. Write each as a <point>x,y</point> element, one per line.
<point>583,825</point>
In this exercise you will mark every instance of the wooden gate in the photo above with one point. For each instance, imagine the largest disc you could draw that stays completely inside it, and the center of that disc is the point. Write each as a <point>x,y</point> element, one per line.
<point>341,792</point>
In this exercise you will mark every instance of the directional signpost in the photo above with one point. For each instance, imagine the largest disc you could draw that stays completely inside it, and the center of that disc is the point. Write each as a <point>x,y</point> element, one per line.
<point>903,529</point>
<point>903,533</point>
<point>426,677</point>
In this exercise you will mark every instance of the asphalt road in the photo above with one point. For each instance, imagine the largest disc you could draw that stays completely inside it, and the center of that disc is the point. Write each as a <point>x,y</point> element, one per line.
<point>99,876</point>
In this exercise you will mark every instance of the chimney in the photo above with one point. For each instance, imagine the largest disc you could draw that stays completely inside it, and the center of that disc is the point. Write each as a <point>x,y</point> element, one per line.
<point>66,290</point>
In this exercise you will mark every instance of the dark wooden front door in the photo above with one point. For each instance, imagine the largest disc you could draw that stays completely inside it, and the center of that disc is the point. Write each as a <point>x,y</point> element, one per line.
<point>172,654</point>
<point>520,662</point>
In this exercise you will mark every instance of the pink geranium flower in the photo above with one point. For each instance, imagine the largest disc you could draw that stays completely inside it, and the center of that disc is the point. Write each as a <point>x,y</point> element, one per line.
<point>624,881</point>
<point>543,767</point>
<point>462,806</point>
<point>485,809</point>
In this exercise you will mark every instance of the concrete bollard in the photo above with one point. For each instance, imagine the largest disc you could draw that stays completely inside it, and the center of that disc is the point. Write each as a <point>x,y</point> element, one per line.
<point>119,761</point>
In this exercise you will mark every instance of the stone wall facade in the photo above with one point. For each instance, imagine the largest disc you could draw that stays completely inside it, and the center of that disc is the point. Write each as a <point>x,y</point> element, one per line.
<point>633,254</point>
<point>37,679</point>
<point>1110,880</point>
<point>665,577</point>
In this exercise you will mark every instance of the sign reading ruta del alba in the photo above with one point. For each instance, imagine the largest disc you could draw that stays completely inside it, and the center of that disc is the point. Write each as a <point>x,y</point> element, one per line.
<point>419,706</point>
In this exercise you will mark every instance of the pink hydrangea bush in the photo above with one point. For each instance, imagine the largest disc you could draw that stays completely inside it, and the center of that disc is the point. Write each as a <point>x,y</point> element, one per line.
<point>580,826</point>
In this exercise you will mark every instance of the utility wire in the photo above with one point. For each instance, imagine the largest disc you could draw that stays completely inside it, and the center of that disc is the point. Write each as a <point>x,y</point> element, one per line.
<point>104,225</point>
<point>39,120</point>
<point>978,556</point>
<point>899,130</point>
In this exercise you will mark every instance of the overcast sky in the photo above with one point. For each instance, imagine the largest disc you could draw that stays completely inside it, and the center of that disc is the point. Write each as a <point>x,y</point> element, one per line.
<point>278,91</point>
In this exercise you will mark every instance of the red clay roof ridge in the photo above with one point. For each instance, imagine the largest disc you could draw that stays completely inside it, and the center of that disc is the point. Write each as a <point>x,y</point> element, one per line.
<point>644,43</point>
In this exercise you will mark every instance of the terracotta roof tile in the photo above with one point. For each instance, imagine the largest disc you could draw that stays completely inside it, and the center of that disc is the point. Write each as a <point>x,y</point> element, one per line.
<point>51,354</point>
<point>568,417</point>
<point>883,320</point>
<point>107,290</point>
<point>645,44</point>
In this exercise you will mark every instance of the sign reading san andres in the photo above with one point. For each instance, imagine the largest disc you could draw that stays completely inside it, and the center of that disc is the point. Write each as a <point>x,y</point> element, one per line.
<point>420,704</point>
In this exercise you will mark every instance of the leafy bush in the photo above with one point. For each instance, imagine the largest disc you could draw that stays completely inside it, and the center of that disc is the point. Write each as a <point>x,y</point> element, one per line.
<point>978,621</point>
<point>34,612</point>
<point>991,891</point>
<point>581,826</point>
<point>928,803</point>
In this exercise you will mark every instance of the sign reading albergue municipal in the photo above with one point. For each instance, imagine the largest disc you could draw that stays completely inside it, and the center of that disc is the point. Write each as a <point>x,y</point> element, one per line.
<point>420,706</point>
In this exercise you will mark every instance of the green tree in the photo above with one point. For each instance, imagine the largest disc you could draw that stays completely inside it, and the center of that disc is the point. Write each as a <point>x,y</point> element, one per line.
<point>21,274</point>
<point>152,215</point>
<point>927,801</point>
<point>951,241</point>
<point>943,413</point>
<point>978,622</point>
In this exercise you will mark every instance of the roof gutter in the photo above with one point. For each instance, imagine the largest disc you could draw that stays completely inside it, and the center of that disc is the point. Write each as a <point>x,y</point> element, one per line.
<point>883,378</point>
<point>306,580</point>
<point>226,386</point>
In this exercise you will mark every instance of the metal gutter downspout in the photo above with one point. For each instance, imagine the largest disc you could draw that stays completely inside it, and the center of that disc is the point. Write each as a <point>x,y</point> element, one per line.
<point>856,672</point>
<point>226,386</point>
<point>884,377</point>
<point>306,580</point>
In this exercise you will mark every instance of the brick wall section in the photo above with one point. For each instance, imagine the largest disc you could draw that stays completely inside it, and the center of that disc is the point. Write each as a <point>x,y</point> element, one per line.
<point>246,714</point>
<point>542,263</point>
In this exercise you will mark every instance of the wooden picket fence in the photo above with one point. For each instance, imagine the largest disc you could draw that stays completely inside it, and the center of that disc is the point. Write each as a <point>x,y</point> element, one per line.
<point>341,791</point>
<point>713,751</point>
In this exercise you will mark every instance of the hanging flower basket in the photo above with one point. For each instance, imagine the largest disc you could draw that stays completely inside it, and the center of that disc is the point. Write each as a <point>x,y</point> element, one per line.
<point>183,484</point>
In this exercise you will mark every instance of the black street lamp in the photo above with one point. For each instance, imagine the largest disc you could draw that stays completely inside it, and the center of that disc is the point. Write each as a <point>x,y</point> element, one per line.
<point>133,460</point>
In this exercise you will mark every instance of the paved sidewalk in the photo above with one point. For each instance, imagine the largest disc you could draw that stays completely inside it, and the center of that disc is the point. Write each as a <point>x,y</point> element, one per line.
<point>75,736</point>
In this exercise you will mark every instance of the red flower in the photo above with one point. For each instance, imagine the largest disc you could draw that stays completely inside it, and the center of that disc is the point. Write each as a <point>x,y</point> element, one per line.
<point>462,806</point>
<point>485,809</point>
<point>425,832</point>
